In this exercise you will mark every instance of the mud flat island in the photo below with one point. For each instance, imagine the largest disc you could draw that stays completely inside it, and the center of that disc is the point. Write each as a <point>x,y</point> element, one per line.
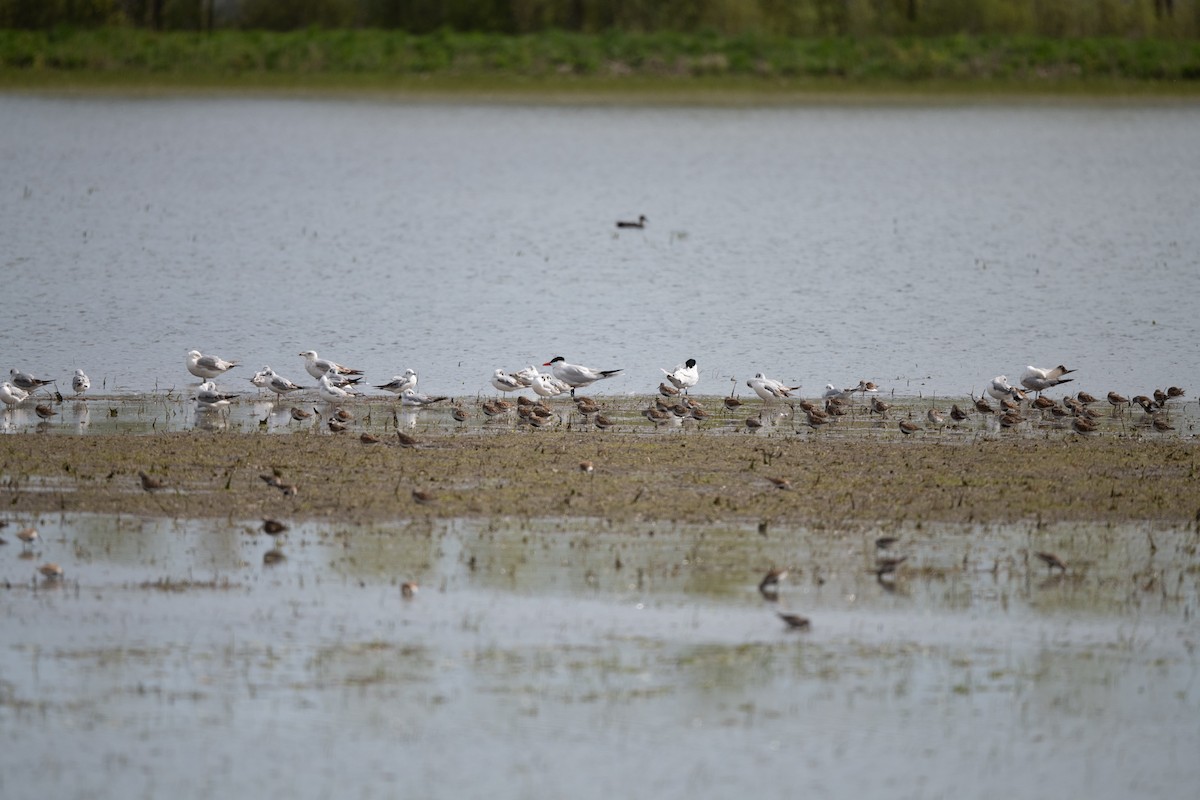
<point>866,474</point>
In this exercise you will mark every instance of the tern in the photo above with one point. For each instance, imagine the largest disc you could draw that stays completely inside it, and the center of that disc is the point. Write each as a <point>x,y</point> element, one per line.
<point>409,397</point>
<point>769,389</point>
<point>11,395</point>
<point>25,381</point>
<point>207,367</point>
<point>506,383</point>
<point>1041,379</point>
<point>684,376</point>
<point>318,367</point>
<point>80,383</point>
<point>399,384</point>
<point>575,376</point>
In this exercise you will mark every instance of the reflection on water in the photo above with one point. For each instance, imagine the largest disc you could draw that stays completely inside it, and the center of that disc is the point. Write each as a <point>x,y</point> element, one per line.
<point>927,249</point>
<point>543,651</point>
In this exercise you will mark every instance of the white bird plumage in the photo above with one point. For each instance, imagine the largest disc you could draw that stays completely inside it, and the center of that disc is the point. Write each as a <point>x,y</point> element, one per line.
<point>81,382</point>
<point>329,391</point>
<point>1000,388</point>
<point>207,367</point>
<point>684,376</point>
<point>279,384</point>
<point>576,376</point>
<point>768,388</point>
<point>410,397</point>
<point>209,399</point>
<point>318,367</point>
<point>1039,380</point>
<point>505,382</point>
<point>12,395</point>
<point>401,383</point>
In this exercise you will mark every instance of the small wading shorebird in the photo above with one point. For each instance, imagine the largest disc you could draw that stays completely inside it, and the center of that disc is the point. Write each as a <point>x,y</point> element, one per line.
<point>575,376</point>
<point>640,222</point>
<point>795,622</point>
<point>1052,561</point>
<point>207,367</point>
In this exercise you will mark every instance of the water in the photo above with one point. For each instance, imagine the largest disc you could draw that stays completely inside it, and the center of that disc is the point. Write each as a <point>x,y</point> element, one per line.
<point>927,249</point>
<point>172,661</point>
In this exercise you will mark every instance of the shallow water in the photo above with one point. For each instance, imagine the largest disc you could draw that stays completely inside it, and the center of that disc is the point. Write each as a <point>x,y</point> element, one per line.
<point>539,652</point>
<point>927,249</point>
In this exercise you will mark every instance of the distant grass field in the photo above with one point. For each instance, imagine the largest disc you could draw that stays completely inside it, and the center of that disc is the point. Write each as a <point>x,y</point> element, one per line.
<point>650,66</point>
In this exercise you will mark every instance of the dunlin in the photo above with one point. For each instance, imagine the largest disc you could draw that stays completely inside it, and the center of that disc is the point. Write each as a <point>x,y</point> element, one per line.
<point>459,414</point>
<point>273,556</point>
<point>1052,561</point>
<point>879,407</point>
<point>44,411</point>
<point>1084,425</point>
<point>667,391</point>
<point>795,622</point>
<point>1115,399</point>
<point>936,417</point>
<point>732,402</point>
<point>28,536</point>
<point>1175,391</point>
<point>369,438</point>
<point>336,426</point>
<point>409,589</point>
<point>753,424</point>
<point>656,416</point>
<point>423,497</point>
<point>640,222</point>
<point>769,585</point>
<point>151,484</point>
<point>1161,425</point>
<point>1010,420</point>
<point>301,414</point>
<point>780,483</point>
<point>587,467</point>
<point>908,428</point>
<point>1160,397</point>
<point>1085,398</point>
<point>273,527</point>
<point>602,422</point>
<point>405,440</point>
<point>983,406</point>
<point>957,414</point>
<point>51,571</point>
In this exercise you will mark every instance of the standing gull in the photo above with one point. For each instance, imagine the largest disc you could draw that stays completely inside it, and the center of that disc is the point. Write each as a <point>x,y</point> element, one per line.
<point>318,367</point>
<point>401,383</point>
<point>768,388</point>
<point>278,384</point>
<point>329,391</point>
<point>207,367</point>
<point>11,395</point>
<point>80,383</point>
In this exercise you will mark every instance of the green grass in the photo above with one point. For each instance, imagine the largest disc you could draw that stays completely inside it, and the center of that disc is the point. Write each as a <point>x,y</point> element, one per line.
<point>661,63</point>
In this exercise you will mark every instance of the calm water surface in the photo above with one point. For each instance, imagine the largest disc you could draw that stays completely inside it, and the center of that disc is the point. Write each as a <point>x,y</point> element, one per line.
<point>551,659</point>
<point>927,249</point>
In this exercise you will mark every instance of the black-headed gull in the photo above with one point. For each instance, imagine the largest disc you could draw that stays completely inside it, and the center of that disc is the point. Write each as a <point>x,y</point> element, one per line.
<point>576,376</point>
<point>80,383</point>
<point>1000,388</point>
<point>544,385</point>
<point>1041,379</point>
<point>279,384</point>
<point>833,393</point>
<point>410,397</point>
<point>768,388</point>
<point>526,375</point>
<point>209,399</point>
<point>505,382</point>
<point>12,395</point>
<point>25,381</point>
<point>401,383</point>
<point>684,376</point>
<point>318,367</point>
<point>329,391</point>
<point>207,367</point>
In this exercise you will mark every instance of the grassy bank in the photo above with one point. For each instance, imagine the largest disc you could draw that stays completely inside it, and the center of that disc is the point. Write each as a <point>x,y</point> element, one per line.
<point>697,478</point>
<point>636,64</point>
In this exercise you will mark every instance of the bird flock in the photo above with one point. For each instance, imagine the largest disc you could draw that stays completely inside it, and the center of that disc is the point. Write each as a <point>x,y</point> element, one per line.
<point>337,384</point>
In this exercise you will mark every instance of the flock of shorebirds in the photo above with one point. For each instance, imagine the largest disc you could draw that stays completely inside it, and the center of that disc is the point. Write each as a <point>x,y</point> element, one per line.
<point>336,384</point>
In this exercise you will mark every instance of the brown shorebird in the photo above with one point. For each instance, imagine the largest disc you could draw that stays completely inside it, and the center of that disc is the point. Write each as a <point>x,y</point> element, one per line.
<point>1010,420</point>
<point>336,426</point>
<point>587,467</point>
<point>699,414</point>
<point>1115,400</point>
<point>780,483</point>
<point>1174,391</point>
<point>301,414</point>
<point>151,484</point>
<point>936,417</point>
<point>586,406</point>
<point>408,589</point>
<point>51,570</point>
<point>1052,561</point>
<point>273,556</point>
<point>983,406</point>
<point>816,418</point>
<point>769,585</point>
<point>44,411</point>
<point>1084,425</point>
<point>1161,425</point>
<point>423,497</point>
<point>1160,397</point>
<point>908,428</point>
<point>273,527</point>
<point>667,391</point>
<point>1145,402</point>
<point>343,415</point>
<point>405,440</point>
<point>731,403</point>
<point>657,416</point>
<point>28,536</point>
<point>459,414</point>
<point>1042,402</point>
<point>602,422</point>
<point>795,622</point>
<point>369,438</point>
<point>753,424</point>
<point>1009,405</point>
<point>1085,398</point>
<point>885,542</point>
<point>879,407</point>
<point>887,565</point>
<point>957,414</point>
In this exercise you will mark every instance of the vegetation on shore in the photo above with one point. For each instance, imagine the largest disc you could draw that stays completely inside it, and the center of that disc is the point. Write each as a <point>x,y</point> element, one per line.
<point>445,60</point>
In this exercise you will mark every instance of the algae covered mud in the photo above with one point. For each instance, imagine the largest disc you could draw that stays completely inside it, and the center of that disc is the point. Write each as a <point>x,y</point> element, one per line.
<point>471,611</point>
